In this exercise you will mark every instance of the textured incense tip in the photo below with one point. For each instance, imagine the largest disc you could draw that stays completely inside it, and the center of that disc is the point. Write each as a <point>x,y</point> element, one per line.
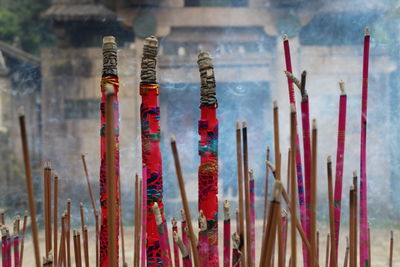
<point>174,222</point>
<point>251,174</point>
<point>367,31</point>
<point>244,124</point>
<point>21,111</point>
<point>354,173</point>
<point>237,125</point>
<point>172,138</point>
<point>81,204</point>
<point>157,213</point>
<point>275,103</point>
<point>314,124</point>
<point>351,187</point>
<point>207,78</point>
<point>69,201</point>
<point>270,165</point>
<point>329,159</point>
<point>277,191</point>
<point>227,207</point>
<point>149,60</point>
<point>236,240</point>
<point>341,86</point>
<point>202,221</point>
<point>285,37</point>
<point>109,56</point>
<point>292,108</point>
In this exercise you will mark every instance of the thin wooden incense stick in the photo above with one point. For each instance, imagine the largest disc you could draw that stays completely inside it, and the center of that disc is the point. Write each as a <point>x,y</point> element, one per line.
<point>333,257</point>
<point>77,251</point>
<point>23,237</point>
<point>185,237</point>
<point>47,207</point>
<point>391,250</point>
<point>313,194</point>
<point>249,255</point>
<point>185,202</point>
<point>327,251</point>
<point>83,226</point>
<point>86,245</point>
<point>3,218</point>
<point>369,247</point>
<point>346,254</point>
<point>15,241</point>
<point>227,234</point>
<point>318,247</point>
<point>266,188</point>
<point>341,137</point>
<point>68,233</point>
<point>174,224</point>
<point>284,234</point>
<point>236,253</point>
<point>293,182</point>
<point>240,192</point>
<point>353,226</point>
<point>143,216</point>
<point>29,186</point>
<point>136,230</point>
<point>55,220</point>
<point>364,255</point>
<point>121,225</point>
<point>61,258</point>
<point>252,215</point>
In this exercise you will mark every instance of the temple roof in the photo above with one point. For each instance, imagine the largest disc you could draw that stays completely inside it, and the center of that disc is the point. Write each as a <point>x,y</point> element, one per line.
<point>64,12</point>
<point>20,55</point>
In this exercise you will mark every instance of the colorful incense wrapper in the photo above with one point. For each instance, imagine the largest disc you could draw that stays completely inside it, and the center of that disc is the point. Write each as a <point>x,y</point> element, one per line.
<point>208,151</point>
<point>109,80</point>
<point>151,154</point>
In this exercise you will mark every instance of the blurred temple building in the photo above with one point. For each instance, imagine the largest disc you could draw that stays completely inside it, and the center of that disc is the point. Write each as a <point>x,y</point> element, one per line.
<point>244,37</point>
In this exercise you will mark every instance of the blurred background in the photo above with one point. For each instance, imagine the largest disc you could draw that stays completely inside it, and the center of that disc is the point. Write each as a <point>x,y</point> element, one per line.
<point>51,59</point>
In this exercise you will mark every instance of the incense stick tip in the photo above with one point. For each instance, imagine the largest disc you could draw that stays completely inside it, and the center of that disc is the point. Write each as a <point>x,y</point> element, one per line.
<point>244,124</point>
<point>277,191</point>
<point>285,37</point>
<point>227,207</point>
<point>329,159</point>
<point>314,124</point>
<point>275,103</point>
<point>292,108</point>
<point>237,125</point>
<point>174,222</point>
<point>21,111</point>
<point>109,39</point>
<point>355,173</point>
<point>367,31</point>
<point>202,221</point>
<point>172,138</point>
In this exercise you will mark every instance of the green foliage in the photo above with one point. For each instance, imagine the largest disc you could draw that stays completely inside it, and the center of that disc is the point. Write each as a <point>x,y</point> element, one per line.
<point>21,19</point>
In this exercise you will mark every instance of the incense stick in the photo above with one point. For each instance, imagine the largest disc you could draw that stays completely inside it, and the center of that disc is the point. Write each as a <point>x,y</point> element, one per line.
<point>185,238</point>
<point>353,226</point>
<point>327,252</point>
<point>266,188</point>
<point>77,251</point>
<point>143,215</point>
<point>391,250</point>
<point>236,254</point>
<point>184,251</point>
<point>174,224</point>
<point>318,247</point>
<point>240,191</point>
<point>136,231</point>
<point>29,186</point>
<point>84,236</point>
<point>3,218</point>
<point>313,194</point>
<point>252,215</point>
<point>284,234</point>
<point>333,261</point>
<point>249,254</point>
<point>16,242</point>
<point>23,237</point>
<point>68,233</point>
<point>364,255</point>
<point>163,237</point>
<point>293,148</point>
<point>227,234</point>
<point>185,201</point>
<point>55,220</point>
<point>121,225</point>
<point>346,255</point>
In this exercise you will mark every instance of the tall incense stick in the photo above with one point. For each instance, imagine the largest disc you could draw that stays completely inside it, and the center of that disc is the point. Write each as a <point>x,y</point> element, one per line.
<point>333,261</point>
<point>293,182</point>
<point>55,220</point>
<point>23,238</point>
<point>327,252</point>
<point>240,192</point>
<point>313,194</point>
<point>29,187</point>
<point>184,251</point>
<point>391,250</point>
<point>364,254</point>
<point>185,202</point>
<point>266,188</point>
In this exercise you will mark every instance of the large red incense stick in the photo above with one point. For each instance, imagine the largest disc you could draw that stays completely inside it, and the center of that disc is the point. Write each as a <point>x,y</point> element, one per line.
<point>151,154</point>
<point>208,151</point>
<point>16,242</point>
<point>300,186</point>
<point>364,253</point>
<point>227,235</point>
<point>109,81</point>
<point>339,161</point>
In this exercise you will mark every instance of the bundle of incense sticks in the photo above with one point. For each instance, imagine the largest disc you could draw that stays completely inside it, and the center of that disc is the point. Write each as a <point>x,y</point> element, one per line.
<point>199,246</point>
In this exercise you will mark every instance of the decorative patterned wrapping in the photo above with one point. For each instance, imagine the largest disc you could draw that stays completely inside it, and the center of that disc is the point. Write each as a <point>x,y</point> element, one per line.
<point>6,247</point>
<point>364,253</point>
<point>339,163</point>
<point>109,79</point>
<point>300,186</point>
<point>151,154</point>
<point>208,151</point>
<point>143,218</point>
<point>176,249</point>
<point>227,235</point>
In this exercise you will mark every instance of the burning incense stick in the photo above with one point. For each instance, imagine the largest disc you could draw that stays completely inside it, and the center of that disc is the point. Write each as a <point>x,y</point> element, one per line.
<point>364,254</point>
<point>111,179</point>
<point>313,194</point>
<point>185,201</point>
<point>327,252</point>
<point>208,151</point>
<point>47,206</point>
<point>5,247</point>
<point>240,192</point>
<point>61,258</point>
<point>236,254</point>
<point>353,226</point>
<point>249,254</point>
<point>86,246</point>
<point>185,255</point>
<point>266,188</point>
<point>293,147</point>
<point>203,242</point>
<point>151,155</point>
<point>391,250</point>
<point>29,186</point>
<point>174,224</point>
<point>227,234</point>
<point>164,243</point>
<point>333,261</point>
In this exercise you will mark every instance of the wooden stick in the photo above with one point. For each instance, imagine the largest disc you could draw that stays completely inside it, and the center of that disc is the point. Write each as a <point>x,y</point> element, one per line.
<point>136,232</point>
<point>333,260</point>
<point>240,192</point>
<point>83,226</point>
<point>77,249</point>
<point>121,225</point>
<point>346,255</point>
<point>55,220</point>
<point>111,187</point>
<point>61,258</point>
<point>185,202</point>
<point>352,228</point>
<point>391,250</point>
<point>47,207</point>
<point>29,186</point>
<point>249,255</point>
<point>68,233</point>
<point>318,247</point>
<point>293,183</point>
<point>313,194</point>
<point>266,189</point>
<point>86,246</point>
<point>3,218</point>
<point>328,242</point>
<point>21,255</point>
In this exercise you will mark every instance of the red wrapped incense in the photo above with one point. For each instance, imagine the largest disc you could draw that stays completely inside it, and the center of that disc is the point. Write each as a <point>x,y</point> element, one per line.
<point>176,249</point>
<point>339,161</point>
<point>151,154</point>
<point>227,235</point>
<point>252,215</point>
<point>203,242</point>
<point>163,237</point>
<point>184,251</point>
<point>109,80</point>
<point>364,253</point>
<point>300,186</point>
<point>16,242</point>
<point>236,254</point>
<point>208,151</point>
